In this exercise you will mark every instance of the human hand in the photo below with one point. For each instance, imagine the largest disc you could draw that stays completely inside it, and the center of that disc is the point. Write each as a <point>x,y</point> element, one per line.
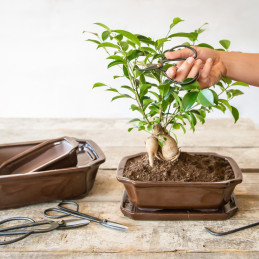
<point>208,64</point>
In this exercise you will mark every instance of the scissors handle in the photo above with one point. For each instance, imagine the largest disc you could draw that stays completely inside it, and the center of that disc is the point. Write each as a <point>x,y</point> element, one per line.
<point>23,230</point>
<point>164,60</point>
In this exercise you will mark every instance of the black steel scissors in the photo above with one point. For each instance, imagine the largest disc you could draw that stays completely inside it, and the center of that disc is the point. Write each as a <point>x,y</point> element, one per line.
<point>27,229</point>
<point>64,212</point>
<point>164,60</point>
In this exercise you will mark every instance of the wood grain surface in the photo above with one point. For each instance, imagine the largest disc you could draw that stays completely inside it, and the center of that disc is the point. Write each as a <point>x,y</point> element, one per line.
<point>144,239</point>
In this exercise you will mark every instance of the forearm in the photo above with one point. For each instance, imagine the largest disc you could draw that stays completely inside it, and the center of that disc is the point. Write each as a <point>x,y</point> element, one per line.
<point>241,66</point>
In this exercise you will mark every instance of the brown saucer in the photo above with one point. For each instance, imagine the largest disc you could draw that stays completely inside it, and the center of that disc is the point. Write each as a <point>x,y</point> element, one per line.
<point>133,212</point>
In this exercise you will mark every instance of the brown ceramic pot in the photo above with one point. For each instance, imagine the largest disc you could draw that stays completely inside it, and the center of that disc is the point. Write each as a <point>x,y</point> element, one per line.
<point>179,195</point>
<point>17,190</point>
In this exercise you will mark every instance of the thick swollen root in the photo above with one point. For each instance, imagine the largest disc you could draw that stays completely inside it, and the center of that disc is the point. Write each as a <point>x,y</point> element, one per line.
<point>152,148</point>
<point>170,150</point>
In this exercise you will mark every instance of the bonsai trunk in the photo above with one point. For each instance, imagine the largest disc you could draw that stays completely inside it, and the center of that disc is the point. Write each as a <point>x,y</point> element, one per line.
<point>169,150</point>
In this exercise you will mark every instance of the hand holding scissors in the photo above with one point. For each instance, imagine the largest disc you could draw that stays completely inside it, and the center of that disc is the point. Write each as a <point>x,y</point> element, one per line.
<point>65,212</point>
<point>164,60</point>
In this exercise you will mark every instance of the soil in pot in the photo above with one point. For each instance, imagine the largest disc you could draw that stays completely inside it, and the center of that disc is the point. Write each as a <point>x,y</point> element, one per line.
<point>187,168</point>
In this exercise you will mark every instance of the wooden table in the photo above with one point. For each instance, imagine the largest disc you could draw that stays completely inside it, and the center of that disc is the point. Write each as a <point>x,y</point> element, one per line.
<point>145,239</point>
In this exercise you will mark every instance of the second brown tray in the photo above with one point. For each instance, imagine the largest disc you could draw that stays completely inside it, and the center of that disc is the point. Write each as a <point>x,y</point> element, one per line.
<point>133,212</point>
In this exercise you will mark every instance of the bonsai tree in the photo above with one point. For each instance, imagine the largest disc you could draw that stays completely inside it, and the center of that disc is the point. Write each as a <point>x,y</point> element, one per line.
<point>164,107</point>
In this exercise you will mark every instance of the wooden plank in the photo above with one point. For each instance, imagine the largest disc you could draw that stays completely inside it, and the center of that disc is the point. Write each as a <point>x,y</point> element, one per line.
<point>219,134</point>
<point>246,158</point>
<point>178,254</point>
<point>151,237</point>
<point>142,236</point>
<point>113,123</point>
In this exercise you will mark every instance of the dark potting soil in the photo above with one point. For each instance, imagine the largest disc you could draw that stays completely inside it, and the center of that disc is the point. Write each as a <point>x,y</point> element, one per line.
<point>187,168</point>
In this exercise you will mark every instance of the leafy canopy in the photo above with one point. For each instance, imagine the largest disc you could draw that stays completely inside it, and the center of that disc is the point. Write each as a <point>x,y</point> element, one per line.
<point>154,97</point>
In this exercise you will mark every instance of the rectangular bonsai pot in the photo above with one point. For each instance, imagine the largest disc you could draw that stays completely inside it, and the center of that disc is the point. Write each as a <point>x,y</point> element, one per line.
<point>17,190</point>
<point>179,195</point>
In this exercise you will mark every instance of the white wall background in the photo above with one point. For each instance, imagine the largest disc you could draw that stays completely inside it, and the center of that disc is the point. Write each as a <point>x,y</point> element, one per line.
<point>47,69</point>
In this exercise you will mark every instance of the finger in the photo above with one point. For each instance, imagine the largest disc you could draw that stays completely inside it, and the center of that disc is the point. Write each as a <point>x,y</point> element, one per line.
<point>179,63</point>
<point>205,72</point>
<point>171,72</point>
<point>182,53</point>
<point>184,69</point>
<point>195,69</point>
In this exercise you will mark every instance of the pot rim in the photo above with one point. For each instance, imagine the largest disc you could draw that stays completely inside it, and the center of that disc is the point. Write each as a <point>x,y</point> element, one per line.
<point>222,184</point>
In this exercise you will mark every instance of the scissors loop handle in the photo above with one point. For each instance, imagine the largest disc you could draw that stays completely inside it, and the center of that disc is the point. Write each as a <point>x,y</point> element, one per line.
<point>180,59</point>
<point>21,229</point>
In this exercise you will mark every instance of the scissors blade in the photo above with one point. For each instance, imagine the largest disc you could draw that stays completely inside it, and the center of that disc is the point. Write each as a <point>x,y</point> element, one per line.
<point>151,67</point>
<point>73,223</point>
<point>114,225</point>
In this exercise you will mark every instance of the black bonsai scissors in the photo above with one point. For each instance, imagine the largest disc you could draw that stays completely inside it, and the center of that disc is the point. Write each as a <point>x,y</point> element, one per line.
<point>65,212</point>
<point>26,229</point>
<point>164,60</point>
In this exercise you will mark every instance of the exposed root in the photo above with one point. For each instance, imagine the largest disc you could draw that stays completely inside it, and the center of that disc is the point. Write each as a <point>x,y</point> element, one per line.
<point>152,148</point>
<point>168,152</point>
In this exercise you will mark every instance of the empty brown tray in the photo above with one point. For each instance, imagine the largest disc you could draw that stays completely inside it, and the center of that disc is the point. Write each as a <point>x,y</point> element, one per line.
<point>133,212</point>
<point>50,154</point>
<point>17,190</point>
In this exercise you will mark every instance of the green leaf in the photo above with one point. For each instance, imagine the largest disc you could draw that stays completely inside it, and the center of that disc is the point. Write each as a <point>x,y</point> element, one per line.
<point>205,45</point>
<point>119,37</point>
<point>133,120</point>
<point>160,42</point>
<point>124,45</point>
<point>98,85</point>
<point>235,92</point>
<point>191,86</point>
<point>178,100</point>
<point>206,97</point>
<point>130,129</point>
<point>176,20</point>
<point>215,96</point>
<point>189,99</point>
<point>129,88</point>
<point>235,113</point>
<point>226,103</point>
<point>155,94</point>
<point>132,54</point>
<point>112,90</point>
<point>105,35</point>
<point>225,44</point>
<point>103,25</point>
<point>240,83</point>
<point>94,41</point>
<point>136,108</point>
<point>144,89</point>
<point>163,89</point>
<point>150,127</point>
<point>227,80</point>
<point>146,102</point>
<point>200,118</point>
<point>160,143</point>
<point>121,96</point>
<point>107,44</point>
<point>145,39</point>
<point>129,35</point>
<point>148,49</point>
<point>114,63</point>
<point>125,71</point>
<point>115,57</point>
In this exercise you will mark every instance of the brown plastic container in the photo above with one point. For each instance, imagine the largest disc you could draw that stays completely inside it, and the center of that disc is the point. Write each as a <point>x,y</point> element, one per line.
<point>50,154</point>
<point>17,190</point>
<point>179,195</point>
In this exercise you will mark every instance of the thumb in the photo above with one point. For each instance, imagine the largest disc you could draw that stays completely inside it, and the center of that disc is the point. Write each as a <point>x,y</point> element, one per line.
<point>182,53</point>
